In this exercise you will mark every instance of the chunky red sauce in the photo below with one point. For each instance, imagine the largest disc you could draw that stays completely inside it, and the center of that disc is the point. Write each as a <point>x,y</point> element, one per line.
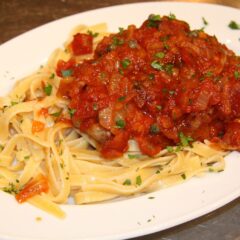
<point>155,84</point>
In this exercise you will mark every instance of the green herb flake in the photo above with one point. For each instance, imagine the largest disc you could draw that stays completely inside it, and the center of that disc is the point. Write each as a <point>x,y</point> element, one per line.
<point>138,180</point>
<point>52,76</point>
<point>151,76</point>
<point>95,106</point>
<point>169,68</point>
<point>67,73</point>
<point>234,25</point>
<point>185,140</point>
<point>151,197</point>
<point>116,42</point>
<point>170,149</point>
<point>183,176</point>
<point>153,20</point>
<point>127,182</point>
<point>48,89</point>
<point>62,165</point>
<point>91,33</point>
<point>120,123</point>
<point>211,170</point>
<point>11,189</point>
<point>56,114</point>
<point>134,156</point>
<point>71,111</point>
<point>154,129</point>
<point>14,103</point>
<point>157,172</point>
<point>159,107</point>
<point>26,157</point>
<point>166,46</point>
<point>122,98</point>
<point>157,65</point>
<point>172,16</point>
<point>120,29</point>
<point>209,74</point>
<point>132,44</point>
<point>204,21</point>
<point>125,63</point>
<point>236,74</point>
<point>160,55</point>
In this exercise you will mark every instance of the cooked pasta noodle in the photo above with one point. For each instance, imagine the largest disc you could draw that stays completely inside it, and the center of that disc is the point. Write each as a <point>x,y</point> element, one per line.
<point>34,142</point>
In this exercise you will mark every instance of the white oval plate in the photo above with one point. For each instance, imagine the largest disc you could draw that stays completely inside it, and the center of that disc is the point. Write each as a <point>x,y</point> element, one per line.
<point>129,217</point>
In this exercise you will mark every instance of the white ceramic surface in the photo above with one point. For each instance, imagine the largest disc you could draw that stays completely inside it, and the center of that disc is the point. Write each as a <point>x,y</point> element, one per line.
<point>128,217</point>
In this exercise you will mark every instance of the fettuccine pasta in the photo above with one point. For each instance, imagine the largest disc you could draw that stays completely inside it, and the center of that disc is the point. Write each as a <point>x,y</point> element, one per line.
<point>40,149</point>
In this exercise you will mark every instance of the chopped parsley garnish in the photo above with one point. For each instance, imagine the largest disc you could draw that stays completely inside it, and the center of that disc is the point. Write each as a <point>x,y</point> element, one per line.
<point>26,157</point>
<point>52,76</point>
<point>185,140</point>
<point>116,42</point>
<point>234,25</point>
<point>151,197</point>
<point>159,107</point>
<point>209,74</point>
<point>133,156</point>
<point>56,114</point>
<point>92,34</point>
<point>157,65</point>
<point>138,180</point>
<point>153,20</point>
<point>67,73</point>
<point>14,103</point>
<point>11,189</point>
<point>170,149</point>
<point>169,68</point>
<point>183,176</point>
<point>160,55</point>
<point>95,106</point>
<point>121,29</point>
<point>237,74</point>
<point>166,46</point>
<point>127,182</point>
<point>120,71</point>
<point>122,98</point>
<point>125,63</point>
<point>132,43</point>
<point>71,111</point>
<point>151,76</point>
<point>154,129</point>
<point>120,123</point>
<point>204,21</point>
<point>48,89</point>
<point>172,16</point>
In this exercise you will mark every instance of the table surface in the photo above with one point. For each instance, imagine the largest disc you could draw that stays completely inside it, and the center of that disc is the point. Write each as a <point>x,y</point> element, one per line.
<point>18,16</point>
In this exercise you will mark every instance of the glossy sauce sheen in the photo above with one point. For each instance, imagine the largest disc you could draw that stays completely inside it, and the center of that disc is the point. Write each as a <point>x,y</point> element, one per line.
<point>155,84</point>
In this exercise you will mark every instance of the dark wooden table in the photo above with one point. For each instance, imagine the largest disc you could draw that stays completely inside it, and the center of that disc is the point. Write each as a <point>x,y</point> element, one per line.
<point>18,16</point>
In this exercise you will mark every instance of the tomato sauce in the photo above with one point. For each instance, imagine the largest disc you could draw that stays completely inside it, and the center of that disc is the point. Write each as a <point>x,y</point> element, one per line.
<point>155,84</point>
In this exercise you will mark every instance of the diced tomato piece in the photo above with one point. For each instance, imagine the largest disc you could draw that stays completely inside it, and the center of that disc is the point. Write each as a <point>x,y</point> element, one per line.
<point>33,188</point>
<point>115,147</point>
<point>43,112</point>
<point>82,44</point>
<point>37,126</point>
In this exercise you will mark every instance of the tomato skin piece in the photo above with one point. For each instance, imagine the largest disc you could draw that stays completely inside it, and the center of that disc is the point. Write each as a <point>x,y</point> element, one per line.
<point>33,188</point>
<point>37,126</point>
<point>82,44</point>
